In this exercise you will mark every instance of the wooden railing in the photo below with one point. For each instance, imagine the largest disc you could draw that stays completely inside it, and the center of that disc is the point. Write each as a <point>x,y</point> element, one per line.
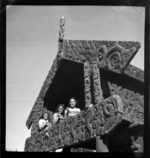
<point>95,121</point>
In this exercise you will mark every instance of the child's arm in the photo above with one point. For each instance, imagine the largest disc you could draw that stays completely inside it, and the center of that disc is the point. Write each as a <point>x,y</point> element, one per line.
<point>66,111</point>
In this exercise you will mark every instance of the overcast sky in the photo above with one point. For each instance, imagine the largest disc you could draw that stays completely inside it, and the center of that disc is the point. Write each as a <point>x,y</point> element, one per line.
<point>32,44</point>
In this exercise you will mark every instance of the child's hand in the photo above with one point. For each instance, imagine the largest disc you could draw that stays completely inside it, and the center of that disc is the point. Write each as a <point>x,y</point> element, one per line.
<point>61,117</point>
<point>66,110</point>
<point>48,124</point>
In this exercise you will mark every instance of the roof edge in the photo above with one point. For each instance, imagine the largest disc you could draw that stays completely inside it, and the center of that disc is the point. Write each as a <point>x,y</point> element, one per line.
<point>101,51</point>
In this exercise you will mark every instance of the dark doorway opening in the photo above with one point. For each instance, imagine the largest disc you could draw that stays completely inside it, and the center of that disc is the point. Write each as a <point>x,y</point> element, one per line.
<point>68,82</point>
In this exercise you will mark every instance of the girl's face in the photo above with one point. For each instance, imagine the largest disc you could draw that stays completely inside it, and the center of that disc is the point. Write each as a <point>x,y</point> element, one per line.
<point>72,102</point>
<point>45,116</point>
<point>60,109</point>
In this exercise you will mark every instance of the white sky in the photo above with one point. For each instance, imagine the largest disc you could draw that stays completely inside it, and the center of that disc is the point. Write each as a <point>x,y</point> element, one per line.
<point>31,46</point>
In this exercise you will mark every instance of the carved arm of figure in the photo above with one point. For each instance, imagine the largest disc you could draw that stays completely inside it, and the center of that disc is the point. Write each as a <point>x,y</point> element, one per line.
<point>89,116</point>
<point>113,110</point>
<point>113,105</point>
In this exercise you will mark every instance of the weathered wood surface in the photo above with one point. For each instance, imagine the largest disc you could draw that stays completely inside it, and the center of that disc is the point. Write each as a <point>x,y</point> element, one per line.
<point>97,120</point>
<point>111,55</point>
<point>105,114</point>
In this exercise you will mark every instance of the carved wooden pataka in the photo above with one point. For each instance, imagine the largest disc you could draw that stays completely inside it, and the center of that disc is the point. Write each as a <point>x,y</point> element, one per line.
<point>110,92</point>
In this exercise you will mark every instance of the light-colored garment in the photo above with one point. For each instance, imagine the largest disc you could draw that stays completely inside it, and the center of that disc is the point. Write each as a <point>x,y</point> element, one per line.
<point>44,124</point>
<point>73,111</point>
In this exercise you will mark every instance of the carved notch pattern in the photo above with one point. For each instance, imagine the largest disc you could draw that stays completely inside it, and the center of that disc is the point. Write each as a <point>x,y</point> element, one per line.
<point>62,28</point>
<point>94,121</point>
<point>133,103</point>
<point>87,84</point>
<point>109,54</point>
<point>98,95</point>
<point>42,93</point>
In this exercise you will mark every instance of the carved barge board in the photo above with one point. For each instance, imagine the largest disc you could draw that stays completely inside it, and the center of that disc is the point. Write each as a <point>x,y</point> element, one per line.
<point>108,111</point>
<point>87,84</point>
<point>111,55</point>
<point>100,119</point>
<point>43,91</point>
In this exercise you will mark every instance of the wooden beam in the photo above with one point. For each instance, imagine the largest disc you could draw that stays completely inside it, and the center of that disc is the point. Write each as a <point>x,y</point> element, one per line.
<point>98,93</point>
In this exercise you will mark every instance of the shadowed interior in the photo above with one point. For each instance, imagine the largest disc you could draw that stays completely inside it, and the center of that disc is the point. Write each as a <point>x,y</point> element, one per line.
<point>68,82</point>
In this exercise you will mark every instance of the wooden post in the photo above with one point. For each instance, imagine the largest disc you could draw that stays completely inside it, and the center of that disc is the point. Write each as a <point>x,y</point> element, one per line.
<point>98,94</point>
<point>61,37</point>
<point>62,28</point>
<point>87,84</point>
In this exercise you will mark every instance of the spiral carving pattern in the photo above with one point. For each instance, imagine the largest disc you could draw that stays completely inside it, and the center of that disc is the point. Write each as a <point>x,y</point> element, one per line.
<point>97,120</point>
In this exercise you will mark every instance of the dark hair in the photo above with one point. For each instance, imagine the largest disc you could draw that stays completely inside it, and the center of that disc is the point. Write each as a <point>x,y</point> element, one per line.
<point>63,108</point>
<point>42,116</point>
<point>75,101</point>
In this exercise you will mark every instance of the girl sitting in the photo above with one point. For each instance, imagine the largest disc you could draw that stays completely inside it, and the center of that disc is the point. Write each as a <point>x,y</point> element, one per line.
<point>72,110</point>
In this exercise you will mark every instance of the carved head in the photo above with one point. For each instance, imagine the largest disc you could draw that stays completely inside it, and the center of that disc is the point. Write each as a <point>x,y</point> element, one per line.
<point>62,21</point>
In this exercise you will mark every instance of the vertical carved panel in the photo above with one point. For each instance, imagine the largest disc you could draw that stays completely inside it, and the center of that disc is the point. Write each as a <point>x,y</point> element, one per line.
<point>87,84</point>
<point>97,83</point>
<point>62,29</point>
<point>61,38</point>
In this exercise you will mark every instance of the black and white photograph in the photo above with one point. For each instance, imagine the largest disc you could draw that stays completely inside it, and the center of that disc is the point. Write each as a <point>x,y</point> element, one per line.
<point>75,78</point>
